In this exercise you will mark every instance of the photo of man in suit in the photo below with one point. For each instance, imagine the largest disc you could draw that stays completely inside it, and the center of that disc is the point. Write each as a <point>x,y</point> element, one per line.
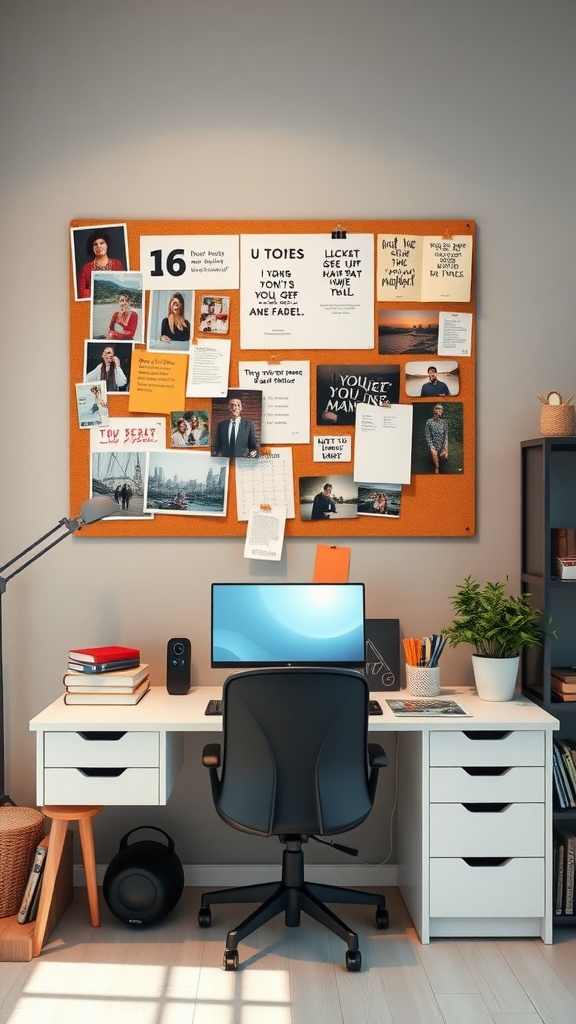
<point>235,437</point>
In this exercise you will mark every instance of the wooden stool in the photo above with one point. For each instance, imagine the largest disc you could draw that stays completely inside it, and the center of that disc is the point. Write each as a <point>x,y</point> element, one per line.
<point>60,818</point>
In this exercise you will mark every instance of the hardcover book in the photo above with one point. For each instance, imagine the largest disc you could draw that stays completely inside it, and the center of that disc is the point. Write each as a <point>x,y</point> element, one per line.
<point>30,897</point>
<point>103,666</point>
<point>127,679</point>
<point>93,697</point>
<point>100,654</point>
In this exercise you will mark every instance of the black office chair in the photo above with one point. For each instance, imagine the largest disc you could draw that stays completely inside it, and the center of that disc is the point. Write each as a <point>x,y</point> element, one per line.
<point>295,763</point>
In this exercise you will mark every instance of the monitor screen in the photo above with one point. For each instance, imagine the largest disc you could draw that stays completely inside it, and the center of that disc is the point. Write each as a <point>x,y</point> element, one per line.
<point>257,624</point>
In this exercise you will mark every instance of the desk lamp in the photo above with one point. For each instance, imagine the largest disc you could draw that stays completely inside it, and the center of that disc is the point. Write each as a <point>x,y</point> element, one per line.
<point>91,512</point>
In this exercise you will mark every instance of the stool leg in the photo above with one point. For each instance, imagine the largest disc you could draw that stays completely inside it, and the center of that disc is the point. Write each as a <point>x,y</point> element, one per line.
<point>89,858</point>
<point>53,858</point>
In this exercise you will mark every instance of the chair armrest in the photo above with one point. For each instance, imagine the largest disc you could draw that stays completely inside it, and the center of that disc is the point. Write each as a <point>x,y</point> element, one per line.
<point>211,755</point>
<point>377,756</point>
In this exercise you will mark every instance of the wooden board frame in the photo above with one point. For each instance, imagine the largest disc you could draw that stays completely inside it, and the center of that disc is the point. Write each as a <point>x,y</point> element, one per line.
<point>431,505</point>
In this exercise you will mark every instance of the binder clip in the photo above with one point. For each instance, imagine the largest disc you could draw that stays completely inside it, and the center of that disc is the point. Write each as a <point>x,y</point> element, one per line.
<point>339,232</point>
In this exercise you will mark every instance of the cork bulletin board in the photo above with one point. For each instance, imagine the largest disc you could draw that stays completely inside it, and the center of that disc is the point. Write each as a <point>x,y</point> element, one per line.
<point>402,299</point>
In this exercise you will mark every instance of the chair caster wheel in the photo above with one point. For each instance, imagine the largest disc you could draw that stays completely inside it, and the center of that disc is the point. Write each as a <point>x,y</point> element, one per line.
<point>231,959</point>
<point>353,960</point>
<point>382,918</point>
<point>204,917</point>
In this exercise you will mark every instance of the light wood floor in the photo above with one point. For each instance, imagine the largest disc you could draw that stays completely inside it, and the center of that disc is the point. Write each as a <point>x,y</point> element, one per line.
<point>171,973</point>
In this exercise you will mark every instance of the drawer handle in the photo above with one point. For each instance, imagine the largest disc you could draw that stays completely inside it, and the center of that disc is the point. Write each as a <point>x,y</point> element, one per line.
<point>482,770</point>
<point>486,862</point>
<point>102,773</point>
<point>101,735</point>
<point>487,734</point>
<point>485,808</point>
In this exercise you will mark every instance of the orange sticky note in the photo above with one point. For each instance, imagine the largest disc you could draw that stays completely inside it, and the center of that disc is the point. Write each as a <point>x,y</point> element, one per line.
<point>157,381</point>
<point>331,565</point>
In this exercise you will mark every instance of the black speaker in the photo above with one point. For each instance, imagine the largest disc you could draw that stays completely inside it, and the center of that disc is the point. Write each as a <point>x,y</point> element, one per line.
<point>178,665</point>
<point>144,881</point>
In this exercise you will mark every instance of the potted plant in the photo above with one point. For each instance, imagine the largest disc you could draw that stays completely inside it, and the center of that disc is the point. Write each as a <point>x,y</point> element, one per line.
<point>499,626</point>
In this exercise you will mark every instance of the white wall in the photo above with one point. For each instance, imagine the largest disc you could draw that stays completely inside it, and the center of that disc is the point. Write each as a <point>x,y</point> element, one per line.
<point>126,109</point>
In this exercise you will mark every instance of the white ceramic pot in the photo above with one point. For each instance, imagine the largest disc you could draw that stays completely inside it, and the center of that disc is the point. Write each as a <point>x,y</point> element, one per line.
<point>495,678</point>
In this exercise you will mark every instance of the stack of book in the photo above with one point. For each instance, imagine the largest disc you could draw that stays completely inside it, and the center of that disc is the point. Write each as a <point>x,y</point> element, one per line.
<point>105,675</point>
<point>564,858</point>
<point>563,682</point>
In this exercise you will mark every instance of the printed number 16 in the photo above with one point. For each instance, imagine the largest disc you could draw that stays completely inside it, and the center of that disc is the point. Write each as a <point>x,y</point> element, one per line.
<point>175,265</point>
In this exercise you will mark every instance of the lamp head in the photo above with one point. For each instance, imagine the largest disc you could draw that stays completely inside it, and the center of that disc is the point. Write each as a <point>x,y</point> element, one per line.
<point>95,509</point>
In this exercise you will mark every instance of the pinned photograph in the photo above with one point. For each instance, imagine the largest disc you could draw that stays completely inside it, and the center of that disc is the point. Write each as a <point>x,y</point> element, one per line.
<point>437,438</point>
<point>190,429</point>
<point>440,379</point>
<point>407,330</point>
<point>108,362</point>
<point>379,500</point>
<point>97,249</point>
<point>116,312</point>
<point>214,314</point>
<point>92,405</point>
<point>119,475</point>
<point>169,320</point>
<point>335,498</point>
<point>236,424</point>
<point>179,485</point>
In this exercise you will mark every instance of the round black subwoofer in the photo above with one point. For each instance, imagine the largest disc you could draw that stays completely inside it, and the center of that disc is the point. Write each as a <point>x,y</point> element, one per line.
<point>144,880</point>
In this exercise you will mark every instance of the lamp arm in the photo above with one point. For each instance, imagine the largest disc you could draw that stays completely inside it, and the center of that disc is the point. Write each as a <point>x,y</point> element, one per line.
<point>71,525</point>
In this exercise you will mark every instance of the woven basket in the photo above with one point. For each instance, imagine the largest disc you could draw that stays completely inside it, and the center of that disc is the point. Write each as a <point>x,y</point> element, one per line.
<point>558,420</point>
<point>21,829</point>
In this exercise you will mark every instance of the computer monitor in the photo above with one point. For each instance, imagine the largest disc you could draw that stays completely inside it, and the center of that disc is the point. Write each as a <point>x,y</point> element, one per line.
<point>284,624</point>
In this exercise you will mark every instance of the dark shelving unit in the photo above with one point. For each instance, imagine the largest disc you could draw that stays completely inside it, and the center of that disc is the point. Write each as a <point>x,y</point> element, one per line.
<point>549,502</point>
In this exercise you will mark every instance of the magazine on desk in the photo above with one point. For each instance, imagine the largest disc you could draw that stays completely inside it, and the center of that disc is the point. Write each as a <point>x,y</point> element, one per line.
<point>430,707</point>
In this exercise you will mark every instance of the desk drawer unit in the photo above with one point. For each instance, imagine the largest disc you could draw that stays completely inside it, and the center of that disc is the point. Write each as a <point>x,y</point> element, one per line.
<point>487,825</point>
<point>102,768</point>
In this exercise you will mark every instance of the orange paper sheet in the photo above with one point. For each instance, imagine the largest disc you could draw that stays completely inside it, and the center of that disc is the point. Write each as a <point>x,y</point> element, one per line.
<point>331,565</point>
<point>157,382</point>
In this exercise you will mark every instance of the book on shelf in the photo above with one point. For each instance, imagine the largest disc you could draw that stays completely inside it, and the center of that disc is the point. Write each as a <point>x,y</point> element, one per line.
<point>95,697</point>
<point>100,654</point>
<point>126,679</point>
<point>73,688</point>
<point>32,890</point>
<point>568,750</point>
<point>558,874</point>
<point>565,780</point>
<point>564,675</point>
<point>560,794</point>
<point>103,666</point>
<point>568,840</point>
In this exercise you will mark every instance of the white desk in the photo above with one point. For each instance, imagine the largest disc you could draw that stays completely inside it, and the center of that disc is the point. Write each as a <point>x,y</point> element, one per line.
<point>474,796</point>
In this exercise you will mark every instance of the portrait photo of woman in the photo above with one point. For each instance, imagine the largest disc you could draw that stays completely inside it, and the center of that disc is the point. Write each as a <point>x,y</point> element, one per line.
<point>169,320</point>
<point>116,309</point>
<point>108,363</point>
<point>97,249</point>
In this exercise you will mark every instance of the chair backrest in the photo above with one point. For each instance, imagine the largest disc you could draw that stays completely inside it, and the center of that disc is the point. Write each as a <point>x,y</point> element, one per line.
<point>294,758</point>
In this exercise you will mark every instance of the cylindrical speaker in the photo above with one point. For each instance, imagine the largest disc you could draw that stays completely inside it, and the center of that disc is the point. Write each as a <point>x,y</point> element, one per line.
<point>144,881</point>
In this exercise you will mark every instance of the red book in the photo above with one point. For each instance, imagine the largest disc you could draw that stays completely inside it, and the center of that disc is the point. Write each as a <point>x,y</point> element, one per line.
<point>95,655</point>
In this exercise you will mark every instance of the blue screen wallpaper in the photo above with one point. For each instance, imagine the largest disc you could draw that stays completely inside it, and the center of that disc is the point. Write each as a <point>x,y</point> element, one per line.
<point>287,623</point>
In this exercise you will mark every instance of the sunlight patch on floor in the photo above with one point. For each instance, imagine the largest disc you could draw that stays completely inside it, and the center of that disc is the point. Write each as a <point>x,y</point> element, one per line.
<point>86,993</point>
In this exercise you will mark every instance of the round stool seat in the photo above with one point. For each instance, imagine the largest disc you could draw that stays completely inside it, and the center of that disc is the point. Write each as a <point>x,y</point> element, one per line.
<point>69,813</point>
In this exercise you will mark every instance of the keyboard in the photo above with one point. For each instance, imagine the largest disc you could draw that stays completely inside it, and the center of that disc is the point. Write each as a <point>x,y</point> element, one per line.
<point>213,707</point>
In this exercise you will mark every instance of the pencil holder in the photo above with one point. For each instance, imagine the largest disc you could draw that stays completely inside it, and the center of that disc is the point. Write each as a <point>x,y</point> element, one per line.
<point>423,682</point>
